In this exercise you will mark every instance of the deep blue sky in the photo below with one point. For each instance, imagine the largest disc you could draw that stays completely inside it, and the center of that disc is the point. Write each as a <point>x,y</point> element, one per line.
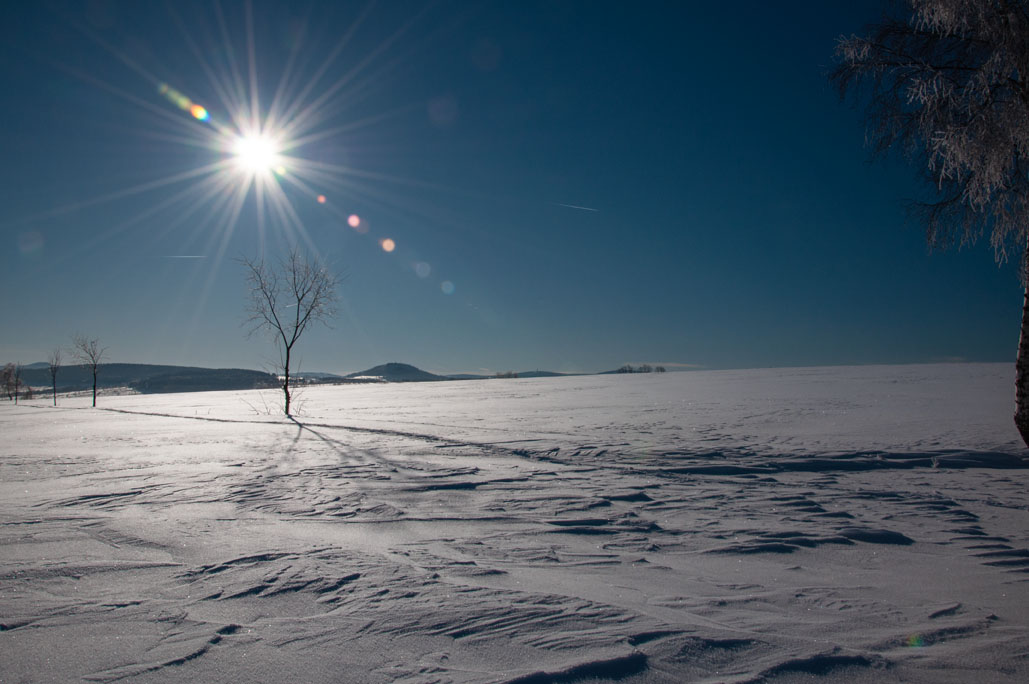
<point>736,219</point>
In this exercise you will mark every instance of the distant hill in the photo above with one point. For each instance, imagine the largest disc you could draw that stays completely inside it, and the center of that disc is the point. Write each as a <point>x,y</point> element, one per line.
<point>151,378</point>
<point>398,372</point>
<point>205,380</point>
<point>315,375</point>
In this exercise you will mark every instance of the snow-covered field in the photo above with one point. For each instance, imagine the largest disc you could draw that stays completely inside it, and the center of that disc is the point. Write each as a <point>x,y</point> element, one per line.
<point>854,524</point>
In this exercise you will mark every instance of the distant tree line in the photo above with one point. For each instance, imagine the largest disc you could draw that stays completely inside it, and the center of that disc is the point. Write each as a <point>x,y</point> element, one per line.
<point>12,381</point>
<point>13,385</point>
<point>645,368</point>
<point>506,374</point>
<point>285,298</point>
<point>87,350</point>
<point>203,380</point>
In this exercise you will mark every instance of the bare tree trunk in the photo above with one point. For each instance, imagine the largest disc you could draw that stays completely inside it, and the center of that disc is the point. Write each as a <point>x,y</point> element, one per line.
<point>54,365</point>
<point>1022,362</point>
<point>285,382</point>
<point>94,388</point>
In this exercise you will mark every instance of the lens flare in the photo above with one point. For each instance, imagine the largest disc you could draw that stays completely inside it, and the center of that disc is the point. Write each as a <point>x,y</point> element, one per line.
<point>198,112</point>
<point>262,148</point>
<point>358,224</point>
<point>447,287</point>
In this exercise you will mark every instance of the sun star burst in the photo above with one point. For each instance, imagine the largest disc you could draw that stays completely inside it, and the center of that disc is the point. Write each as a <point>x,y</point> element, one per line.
<point>256,153</point>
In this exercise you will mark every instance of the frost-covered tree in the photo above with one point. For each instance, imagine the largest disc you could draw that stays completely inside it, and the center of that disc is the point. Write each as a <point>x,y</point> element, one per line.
<point>287,297</point>
<point>90,353</point>
<point>949,85</point>
<point>53,365</point>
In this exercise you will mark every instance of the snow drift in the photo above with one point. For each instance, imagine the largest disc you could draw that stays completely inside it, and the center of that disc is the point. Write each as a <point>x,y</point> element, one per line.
<point>857,524</point>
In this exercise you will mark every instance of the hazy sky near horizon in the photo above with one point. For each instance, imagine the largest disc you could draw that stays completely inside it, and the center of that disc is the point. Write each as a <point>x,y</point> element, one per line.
<point>563,185</point>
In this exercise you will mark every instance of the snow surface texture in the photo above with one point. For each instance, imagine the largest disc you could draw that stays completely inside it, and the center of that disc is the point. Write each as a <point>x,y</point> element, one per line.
<point>848,524</point>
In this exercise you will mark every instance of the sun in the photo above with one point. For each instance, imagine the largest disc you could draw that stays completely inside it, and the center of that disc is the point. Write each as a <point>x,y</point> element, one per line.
<point>256,153</point>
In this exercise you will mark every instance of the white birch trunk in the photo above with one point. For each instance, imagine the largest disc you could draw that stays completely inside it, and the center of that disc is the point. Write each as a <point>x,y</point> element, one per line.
<point>1022,362</point>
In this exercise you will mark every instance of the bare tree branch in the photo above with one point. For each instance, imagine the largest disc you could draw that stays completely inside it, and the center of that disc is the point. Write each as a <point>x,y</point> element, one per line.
<point>293,283</point>
<point>950,88</point>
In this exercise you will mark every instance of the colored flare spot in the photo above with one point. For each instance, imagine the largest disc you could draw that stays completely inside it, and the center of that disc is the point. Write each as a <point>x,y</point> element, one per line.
<point>354,220</point>
<point>915,641</point>
<point>388,245</point>
<point>183,102</point>
<point>422,269</point>
<point>447,287</point>
<point>321,199</point>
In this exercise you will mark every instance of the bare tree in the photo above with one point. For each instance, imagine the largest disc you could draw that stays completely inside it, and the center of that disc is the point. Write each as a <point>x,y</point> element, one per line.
<point>8,380</point>
<point>54,365</point>
<point>90,353</point>
<point>16,381</point>
<point>949,85</point>
<point>285,298</point>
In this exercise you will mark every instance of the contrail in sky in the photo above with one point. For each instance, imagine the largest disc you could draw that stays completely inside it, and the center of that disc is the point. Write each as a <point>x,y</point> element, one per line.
<point>575,206</point>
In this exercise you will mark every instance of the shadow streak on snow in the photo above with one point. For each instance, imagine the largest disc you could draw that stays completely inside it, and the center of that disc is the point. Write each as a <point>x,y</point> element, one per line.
<point>684,462</point>
<point>756,464</point>
<point>342,449</point>
<point>822,665</point>
<point>330,426</point>
<point>614,668</point>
